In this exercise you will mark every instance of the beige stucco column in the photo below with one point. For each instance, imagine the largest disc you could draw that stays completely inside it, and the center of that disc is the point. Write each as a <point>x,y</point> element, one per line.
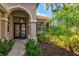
<point>4,23</point>
<point>33,29</point>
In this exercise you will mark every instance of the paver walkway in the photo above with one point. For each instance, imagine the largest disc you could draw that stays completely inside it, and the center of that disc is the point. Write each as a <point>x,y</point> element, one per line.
<point>18,49</point>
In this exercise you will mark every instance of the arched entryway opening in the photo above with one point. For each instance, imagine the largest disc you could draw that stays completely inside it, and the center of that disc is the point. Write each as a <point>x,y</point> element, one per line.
<point>19,20</point>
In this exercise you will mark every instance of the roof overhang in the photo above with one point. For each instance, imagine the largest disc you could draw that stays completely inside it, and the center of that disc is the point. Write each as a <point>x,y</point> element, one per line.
<point>42,17</point>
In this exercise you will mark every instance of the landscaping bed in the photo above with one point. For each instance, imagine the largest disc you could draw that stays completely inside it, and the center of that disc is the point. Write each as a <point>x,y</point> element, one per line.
<point>62,45</point>
<point>5,47</point>
<point>50,49</point>
<point>46,48</point>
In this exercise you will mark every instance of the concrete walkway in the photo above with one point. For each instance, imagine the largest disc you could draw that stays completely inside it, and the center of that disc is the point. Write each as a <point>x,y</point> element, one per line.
<point>18,48</point>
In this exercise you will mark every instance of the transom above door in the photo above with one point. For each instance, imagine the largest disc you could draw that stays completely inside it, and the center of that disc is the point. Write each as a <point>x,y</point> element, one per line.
<point>19,27</point>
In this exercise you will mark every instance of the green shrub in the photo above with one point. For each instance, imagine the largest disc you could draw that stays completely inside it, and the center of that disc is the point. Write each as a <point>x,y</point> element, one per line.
<point>33,49</point>
<point>43,36</point>
<point>60,31</point>
<point>62,41</point>
<point>5,46</point>
<point>75,42</point>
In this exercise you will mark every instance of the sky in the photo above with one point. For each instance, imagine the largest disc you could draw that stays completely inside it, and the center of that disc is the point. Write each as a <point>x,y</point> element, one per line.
<point>42,11</point>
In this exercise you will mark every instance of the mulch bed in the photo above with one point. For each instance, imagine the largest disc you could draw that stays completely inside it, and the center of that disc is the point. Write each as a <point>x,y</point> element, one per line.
<point>50,49</point>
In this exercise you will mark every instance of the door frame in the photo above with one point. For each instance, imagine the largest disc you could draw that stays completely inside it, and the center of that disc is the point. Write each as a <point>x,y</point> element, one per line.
<point>20,30</point>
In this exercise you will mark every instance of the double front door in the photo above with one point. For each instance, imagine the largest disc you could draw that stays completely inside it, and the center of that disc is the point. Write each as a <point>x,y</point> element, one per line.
<point>19,30</point>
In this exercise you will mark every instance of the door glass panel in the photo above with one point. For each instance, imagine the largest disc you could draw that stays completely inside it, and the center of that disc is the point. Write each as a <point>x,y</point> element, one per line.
<point>22,20</point>
<point>23,30</point>
<point>17,30</point>
<point>16,20</point>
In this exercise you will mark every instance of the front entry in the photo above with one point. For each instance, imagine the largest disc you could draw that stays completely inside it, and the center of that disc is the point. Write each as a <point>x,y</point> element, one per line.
<point>19,28</point>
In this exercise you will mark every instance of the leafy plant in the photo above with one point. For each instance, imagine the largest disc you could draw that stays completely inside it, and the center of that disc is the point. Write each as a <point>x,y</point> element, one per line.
<point>33,49</point>
<point>44,37</point>
<point>5,46</point>
<point>75,42</point>
<point>71,42</point>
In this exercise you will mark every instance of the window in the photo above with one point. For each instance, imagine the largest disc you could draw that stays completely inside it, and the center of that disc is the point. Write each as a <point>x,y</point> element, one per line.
<point>41,26</point>
<point>19,20</point>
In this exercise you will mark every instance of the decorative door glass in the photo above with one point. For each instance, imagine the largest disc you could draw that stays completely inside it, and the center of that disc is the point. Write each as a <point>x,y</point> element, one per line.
<point>23,30</point>
<point>17,30</point>
<point>19,27</point>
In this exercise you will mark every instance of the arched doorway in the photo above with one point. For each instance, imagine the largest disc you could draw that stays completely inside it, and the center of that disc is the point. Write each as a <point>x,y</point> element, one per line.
<point>20,28</point>
<point>18,24</point>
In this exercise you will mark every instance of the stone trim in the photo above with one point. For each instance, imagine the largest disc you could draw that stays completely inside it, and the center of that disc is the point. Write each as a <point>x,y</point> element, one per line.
<point>4,19</point>
<point>33,20</point>
<point>20,7</point>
